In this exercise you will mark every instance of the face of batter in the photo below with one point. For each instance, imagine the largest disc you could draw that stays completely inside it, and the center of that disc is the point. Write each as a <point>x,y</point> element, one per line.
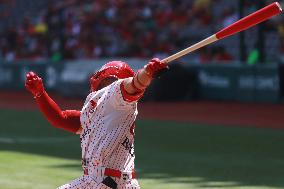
<point>107,81</point>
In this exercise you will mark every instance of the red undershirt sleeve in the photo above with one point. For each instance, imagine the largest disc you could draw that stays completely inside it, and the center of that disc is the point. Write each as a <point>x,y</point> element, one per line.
<point>68,120</point>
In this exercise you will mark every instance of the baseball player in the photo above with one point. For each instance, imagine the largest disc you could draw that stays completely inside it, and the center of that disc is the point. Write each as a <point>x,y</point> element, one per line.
<point>106,122</point>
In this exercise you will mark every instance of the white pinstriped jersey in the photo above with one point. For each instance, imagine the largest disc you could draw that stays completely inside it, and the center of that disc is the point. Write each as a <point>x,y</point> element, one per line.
<point>107,138</point>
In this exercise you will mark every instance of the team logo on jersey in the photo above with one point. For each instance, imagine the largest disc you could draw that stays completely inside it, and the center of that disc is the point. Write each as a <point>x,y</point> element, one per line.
<point>85,162</point>
<point>128,146</point>
<point>86,132</point>
<point>93,106</point>
<point>132,129</point>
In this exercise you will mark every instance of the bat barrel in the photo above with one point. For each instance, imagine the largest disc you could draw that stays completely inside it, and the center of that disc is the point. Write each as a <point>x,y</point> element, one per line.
<point>250,20</point>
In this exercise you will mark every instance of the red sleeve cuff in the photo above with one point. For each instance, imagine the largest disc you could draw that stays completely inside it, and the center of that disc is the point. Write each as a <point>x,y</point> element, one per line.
<point>130,97</point>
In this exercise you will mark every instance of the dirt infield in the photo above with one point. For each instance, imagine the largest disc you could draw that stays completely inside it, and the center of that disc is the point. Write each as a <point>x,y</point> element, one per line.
<point>258,115</point>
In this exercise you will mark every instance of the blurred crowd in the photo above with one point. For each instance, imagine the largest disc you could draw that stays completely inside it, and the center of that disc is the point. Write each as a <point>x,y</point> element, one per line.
<point>87,29</point>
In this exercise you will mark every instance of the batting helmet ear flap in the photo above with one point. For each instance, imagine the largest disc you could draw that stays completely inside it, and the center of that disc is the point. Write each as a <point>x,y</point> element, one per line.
<point>115,69</point>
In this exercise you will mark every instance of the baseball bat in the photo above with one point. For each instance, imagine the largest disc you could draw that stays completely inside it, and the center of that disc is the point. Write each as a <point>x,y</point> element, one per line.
<point>240,25</point>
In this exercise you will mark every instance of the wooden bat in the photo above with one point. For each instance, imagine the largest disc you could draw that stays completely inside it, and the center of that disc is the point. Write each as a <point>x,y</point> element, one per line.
<point>240,25</point>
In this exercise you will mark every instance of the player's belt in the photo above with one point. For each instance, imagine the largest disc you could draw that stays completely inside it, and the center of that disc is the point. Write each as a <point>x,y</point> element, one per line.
<point>119,174</point>
<point>116,173</point>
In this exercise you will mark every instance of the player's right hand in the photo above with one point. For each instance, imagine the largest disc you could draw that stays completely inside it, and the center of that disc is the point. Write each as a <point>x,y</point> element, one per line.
<point>155,67</point>
<point>34,84</point>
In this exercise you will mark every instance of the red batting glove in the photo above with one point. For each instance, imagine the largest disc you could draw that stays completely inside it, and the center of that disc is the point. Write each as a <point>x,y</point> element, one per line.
<point>155,67</point>
<point>34,84</point>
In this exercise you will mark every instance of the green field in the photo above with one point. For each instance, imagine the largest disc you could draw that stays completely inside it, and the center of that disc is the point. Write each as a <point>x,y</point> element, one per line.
<point>169,155</point>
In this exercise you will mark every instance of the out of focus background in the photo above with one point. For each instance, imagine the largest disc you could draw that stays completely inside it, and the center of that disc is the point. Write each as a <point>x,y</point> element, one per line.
<point>215,120</point>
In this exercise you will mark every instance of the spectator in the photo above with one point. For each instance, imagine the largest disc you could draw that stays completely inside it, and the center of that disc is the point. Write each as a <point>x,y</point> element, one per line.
<point>205,55</point>
<point>221,55</point>
<point>73,29</point>
<point>230,16</point>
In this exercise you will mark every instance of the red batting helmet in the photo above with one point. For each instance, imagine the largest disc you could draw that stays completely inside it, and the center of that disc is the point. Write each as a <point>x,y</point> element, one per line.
<point>113,69</point>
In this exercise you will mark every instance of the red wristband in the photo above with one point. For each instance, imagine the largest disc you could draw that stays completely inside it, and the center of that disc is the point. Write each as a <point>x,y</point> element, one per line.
<point>134,86</point>
<point>147,71</point>
<point>136,75</point>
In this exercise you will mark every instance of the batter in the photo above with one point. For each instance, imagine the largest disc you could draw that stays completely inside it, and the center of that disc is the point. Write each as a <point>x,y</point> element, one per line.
<point>106,123</point>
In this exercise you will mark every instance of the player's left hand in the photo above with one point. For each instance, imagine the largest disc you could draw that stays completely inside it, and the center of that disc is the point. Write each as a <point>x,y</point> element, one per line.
<point>34,84</point>
<point>155,67</point>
